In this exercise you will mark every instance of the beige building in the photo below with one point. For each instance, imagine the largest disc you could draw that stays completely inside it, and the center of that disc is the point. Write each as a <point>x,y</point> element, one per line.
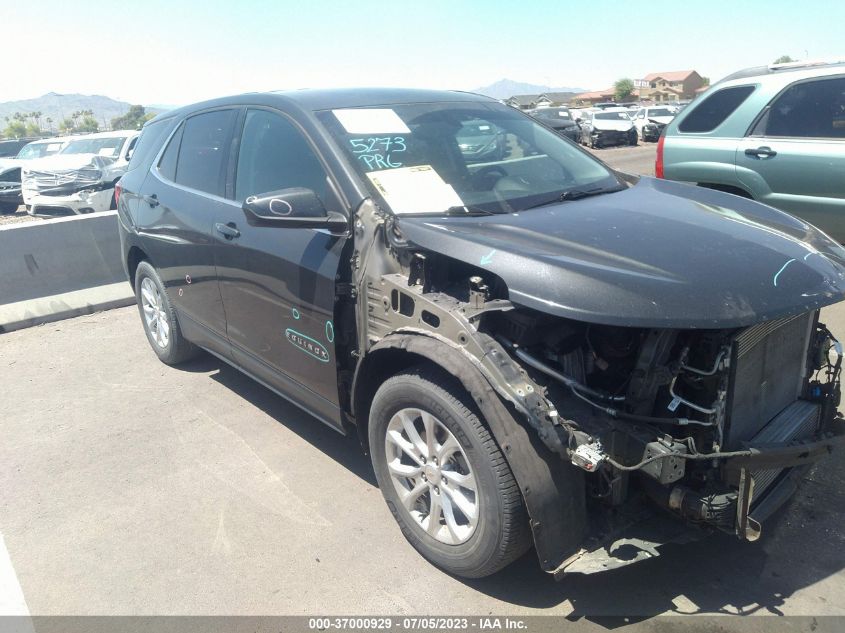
<point>674,85</point>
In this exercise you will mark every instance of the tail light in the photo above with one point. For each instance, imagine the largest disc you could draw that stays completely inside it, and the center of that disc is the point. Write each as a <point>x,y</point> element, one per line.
<point>658,163</point>
<point>117,189</point>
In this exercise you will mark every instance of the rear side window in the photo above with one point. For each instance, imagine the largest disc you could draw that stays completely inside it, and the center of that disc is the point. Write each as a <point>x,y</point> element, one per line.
<point>810,109</point>
<point>148,144</point>
<point>167,164</point>
<point>203,151</point>
<point>714,109</point>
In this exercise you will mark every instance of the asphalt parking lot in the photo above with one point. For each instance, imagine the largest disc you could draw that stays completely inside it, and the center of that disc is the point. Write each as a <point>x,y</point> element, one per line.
<point>131,487</point>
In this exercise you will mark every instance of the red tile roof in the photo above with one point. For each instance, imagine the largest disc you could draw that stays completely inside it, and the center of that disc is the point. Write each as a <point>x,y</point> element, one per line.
<point>674,75</point>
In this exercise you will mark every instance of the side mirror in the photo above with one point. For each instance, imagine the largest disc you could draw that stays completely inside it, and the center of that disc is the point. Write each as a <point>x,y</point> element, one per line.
<point>296,207</point>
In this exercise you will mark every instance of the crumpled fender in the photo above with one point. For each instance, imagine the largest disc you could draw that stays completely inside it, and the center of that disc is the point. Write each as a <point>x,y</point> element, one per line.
<point>553,490</point>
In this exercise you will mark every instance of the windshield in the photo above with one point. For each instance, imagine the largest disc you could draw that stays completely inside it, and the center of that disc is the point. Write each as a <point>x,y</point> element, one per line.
<point>553,113</point>
<point>470,157</point>
<point>660,112</point>
<point>109,147</point>
<point>37,150</point>
<point>612,116</point>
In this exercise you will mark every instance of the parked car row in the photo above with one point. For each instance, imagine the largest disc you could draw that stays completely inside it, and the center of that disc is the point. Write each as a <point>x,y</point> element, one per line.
<point>607,123</point>
<point>66,175</point>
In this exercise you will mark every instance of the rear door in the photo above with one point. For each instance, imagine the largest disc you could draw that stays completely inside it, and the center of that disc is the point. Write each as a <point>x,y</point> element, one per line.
<point>794,157</point>
<point>179,201</point>
<point>278,283</point>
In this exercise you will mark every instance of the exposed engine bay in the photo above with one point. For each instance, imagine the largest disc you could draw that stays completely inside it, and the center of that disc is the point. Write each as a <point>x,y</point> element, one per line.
<point>712,426</point>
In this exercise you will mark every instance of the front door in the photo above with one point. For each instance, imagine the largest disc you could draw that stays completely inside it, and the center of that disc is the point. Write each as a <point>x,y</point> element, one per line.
<point>277,283</point>
<point>794,158</point>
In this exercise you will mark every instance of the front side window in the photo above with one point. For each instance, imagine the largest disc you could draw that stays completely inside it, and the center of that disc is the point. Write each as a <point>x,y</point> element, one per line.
<point>713,109</point>
<point>462,157</point>
<point>203,151</point>
<point>810,109</point>
<point>274,155</point>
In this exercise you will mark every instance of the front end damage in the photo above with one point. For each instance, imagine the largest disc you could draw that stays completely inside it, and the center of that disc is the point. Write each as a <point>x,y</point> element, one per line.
<point>668,433</point>
<point>69,185</point>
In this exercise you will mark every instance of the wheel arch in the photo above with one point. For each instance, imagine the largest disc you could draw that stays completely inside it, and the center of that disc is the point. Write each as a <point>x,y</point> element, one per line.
<point>735,190</point>
<point>134,257</point>
<point>553,490</point>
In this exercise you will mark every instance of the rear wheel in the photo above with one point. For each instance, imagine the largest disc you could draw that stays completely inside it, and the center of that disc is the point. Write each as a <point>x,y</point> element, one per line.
<point>159,318</point>
<point>443,476</point>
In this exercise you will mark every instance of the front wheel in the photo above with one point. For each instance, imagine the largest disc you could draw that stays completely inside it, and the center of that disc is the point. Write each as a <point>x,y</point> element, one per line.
<point>443,476</point>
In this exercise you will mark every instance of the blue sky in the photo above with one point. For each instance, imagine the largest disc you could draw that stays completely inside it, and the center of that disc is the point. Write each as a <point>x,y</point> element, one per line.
<point>175,52</point>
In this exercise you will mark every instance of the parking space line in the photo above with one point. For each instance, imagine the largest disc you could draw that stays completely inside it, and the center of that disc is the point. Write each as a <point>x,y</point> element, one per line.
<point>12,601</point>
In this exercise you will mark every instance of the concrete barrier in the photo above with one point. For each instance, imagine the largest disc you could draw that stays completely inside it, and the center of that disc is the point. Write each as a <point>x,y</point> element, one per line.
<point>60,268</point>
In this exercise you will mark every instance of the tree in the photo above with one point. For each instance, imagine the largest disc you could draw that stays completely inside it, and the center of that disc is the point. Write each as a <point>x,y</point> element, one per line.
<point>783,59</point>
<point>623,89</point>
<point>15,129</point>
<point>49,124</point>
<point>132,120</point>
<point>705,81</point>
<point>67,126</point>
<point>88,125</point>
<point>32,129</point>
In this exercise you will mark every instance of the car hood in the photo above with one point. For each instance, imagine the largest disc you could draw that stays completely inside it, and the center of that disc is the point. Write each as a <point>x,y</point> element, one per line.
<point>612,124</point>
<point>658,254</point>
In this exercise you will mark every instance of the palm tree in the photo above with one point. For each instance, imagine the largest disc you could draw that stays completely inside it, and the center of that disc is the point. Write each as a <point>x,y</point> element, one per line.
<point>49,124</point>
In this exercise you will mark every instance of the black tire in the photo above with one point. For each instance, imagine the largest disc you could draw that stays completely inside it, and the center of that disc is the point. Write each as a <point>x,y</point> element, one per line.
<point>177,349</point>
<point>501,534</point>
<point>8,208</point>
<point>633,140</point>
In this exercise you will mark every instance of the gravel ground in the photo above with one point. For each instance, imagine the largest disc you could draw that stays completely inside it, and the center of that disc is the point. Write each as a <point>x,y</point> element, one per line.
<point>18,217</point>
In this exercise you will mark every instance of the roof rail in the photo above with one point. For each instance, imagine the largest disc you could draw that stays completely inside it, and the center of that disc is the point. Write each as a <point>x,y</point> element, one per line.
<point>807,63</point>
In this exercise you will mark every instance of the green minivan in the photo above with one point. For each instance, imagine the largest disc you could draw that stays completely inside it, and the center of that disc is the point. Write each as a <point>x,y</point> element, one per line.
<point>775,134</point>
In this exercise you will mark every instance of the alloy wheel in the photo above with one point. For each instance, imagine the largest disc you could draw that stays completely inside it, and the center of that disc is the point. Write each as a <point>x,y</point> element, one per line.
<point>432,476</point>
<point>155,317</point>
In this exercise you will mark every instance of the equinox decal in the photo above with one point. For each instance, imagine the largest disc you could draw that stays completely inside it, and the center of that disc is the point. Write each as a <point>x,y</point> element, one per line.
<point>307,345</point>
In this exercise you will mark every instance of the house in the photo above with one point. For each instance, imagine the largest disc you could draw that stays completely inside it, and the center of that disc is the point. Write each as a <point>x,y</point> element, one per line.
<point>558,98</point>
<point>599,96</point>
<point>675,85</point>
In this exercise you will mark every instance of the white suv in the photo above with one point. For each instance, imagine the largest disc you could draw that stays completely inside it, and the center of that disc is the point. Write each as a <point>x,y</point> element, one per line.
<point>80,178</point>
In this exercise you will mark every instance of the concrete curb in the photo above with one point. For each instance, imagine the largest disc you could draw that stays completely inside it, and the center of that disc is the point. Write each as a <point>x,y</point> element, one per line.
<point>22,314</point>
<point>61,268</point>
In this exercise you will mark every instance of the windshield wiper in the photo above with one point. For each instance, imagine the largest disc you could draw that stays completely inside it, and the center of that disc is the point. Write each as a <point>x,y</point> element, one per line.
<point>467,210</point>
<point>574,194</point>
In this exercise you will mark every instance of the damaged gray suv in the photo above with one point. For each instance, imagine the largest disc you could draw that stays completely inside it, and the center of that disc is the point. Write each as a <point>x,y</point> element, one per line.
<point>535,349</point>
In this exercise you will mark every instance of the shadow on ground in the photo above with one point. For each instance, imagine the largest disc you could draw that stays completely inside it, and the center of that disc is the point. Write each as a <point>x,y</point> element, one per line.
<point>800,546</point>
<point>345,450</point>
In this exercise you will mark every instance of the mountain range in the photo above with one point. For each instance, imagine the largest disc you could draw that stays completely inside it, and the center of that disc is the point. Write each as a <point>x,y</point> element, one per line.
<point>505,88</point>
<point>60,106</point>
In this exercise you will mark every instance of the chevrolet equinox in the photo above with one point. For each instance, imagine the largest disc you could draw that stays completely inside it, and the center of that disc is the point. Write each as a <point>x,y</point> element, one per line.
<point>535,349</point>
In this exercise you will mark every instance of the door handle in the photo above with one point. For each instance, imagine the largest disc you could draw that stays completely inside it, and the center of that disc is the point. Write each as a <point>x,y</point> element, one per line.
<point>761,152</point>
<point>151,200</point>
<point>229,231</point>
